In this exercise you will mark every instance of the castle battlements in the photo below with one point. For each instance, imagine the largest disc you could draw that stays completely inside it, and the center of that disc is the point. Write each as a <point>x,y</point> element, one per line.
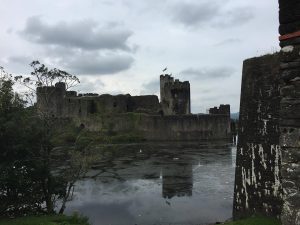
<point>174,100</point>
<point>167,119</point>
<point>175,96</point>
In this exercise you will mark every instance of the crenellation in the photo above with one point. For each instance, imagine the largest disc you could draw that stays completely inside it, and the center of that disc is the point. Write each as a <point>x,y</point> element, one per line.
<point>174,96</point>
<point>71,94</point>
<point>222,110</point>
<point>170,119</point>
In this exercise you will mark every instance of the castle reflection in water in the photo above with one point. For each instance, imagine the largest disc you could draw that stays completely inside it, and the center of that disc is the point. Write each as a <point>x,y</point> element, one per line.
<point>158,182</point>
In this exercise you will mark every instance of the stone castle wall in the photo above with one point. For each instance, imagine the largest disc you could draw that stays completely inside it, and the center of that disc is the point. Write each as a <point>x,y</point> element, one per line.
<point>162,128</point>
<point>258,177</point>
<point>120,114</point>
<point>269,132</point>
<point>222,110</point>
<point>61,103</point>
<point>289,29</point>
<point>290,133</point>
<point>175,96</point>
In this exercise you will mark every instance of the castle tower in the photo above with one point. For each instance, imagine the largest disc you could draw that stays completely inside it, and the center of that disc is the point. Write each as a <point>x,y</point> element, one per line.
<point>222,110</point>
<point>175,96</point>
<point>289,29</point>
<point>50,99</point>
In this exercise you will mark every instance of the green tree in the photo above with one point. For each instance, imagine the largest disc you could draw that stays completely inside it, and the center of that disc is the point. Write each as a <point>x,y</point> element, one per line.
<point>17,185</point>
<point>32,179</point>
<point>57,183</point>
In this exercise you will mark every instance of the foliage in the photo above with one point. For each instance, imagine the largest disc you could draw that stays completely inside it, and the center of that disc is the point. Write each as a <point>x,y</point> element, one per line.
<point>256,220</point>
<point>43,76</point>
<point>47,220</point>
<point>17,190</point>
<point>35,175</point>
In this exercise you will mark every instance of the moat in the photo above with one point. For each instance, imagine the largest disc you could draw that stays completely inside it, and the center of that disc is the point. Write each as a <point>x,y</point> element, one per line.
<point>159,183</point>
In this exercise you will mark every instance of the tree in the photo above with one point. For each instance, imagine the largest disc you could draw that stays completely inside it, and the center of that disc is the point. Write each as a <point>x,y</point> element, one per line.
<point>18,187</point>
<point>57,183</point>
<point>31,180</point>
<point>42,76</point>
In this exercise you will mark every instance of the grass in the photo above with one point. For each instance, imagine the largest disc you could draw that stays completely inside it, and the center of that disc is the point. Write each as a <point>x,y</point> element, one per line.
<point>47,220</point>
<point>256,221</point>
<point>79,220</point>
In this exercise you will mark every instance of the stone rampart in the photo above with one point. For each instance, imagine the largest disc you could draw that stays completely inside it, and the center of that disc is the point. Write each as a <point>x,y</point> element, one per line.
<point>258,187</point>
<point>162,128</point>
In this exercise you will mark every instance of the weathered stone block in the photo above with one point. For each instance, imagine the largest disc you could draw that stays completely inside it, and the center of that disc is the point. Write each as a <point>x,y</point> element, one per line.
<point>290,155</point>
<point>290,65</point>
<point>290,137</point>
<point>291,55</point>
<point>289,122</point>
<point>291,74</point>
<point>288,91</point>
<point>290,108</point>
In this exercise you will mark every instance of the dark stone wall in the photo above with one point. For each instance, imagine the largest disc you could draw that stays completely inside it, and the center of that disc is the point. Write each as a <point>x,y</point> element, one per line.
<point>162,128</point>
<point>175,96</point>
<point>289,19</point>
<point>290,133</point>
<point>222,110</point>
<point>289,29</point>
<point>61,103</point>
<point>258,179</point>
<point>50,99</point>
<point>145,104</point>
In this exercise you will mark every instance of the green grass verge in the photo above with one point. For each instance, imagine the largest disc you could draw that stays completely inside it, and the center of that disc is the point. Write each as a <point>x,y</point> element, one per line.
<point>46,220</point>
<point>256,221</point>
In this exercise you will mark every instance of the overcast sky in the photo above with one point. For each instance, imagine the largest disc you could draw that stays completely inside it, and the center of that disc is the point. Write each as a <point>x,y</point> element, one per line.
<point>121,46</point>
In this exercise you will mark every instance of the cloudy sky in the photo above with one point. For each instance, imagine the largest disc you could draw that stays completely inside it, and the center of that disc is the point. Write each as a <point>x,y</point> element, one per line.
<point>121,46</point>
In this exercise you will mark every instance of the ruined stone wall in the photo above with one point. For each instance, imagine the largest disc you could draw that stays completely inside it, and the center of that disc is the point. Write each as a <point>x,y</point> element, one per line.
<point>222,110</point>
<point>145,104</point>
<point>162,128</point>
<point>258,179</point>
<point>289,18</point>
<point>290,133</point>
<point>61,103</point>
<point>50,99</point>
<point>174,96</point>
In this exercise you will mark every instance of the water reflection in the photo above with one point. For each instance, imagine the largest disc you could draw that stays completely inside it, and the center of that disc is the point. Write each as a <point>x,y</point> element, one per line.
<point>158,183</point>
<point>177,178</point>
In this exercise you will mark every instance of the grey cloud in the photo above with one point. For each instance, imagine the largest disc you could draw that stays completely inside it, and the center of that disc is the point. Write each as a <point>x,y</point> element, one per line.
<point>87,86</point>
<point>210,13</point>
<point>236,17</point>
<point>23,60</point>
<point>86,35</point>
<point>151,87</point>
<point>190,14</point>
<point>96,64</point>
<point>209,73</point>
<point>18,64</point>
<point>228,42</point>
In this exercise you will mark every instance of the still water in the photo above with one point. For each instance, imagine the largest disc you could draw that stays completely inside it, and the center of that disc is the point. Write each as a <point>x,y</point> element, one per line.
<point>158,184</point>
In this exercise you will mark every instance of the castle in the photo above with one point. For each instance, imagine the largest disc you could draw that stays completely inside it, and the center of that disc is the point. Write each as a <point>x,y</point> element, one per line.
<point>169,119</point>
